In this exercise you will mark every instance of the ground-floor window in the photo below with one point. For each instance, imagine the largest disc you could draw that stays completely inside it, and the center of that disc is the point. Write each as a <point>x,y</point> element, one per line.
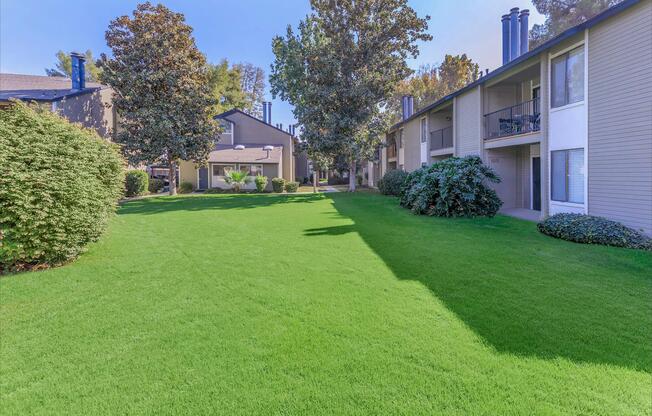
<point>221,170</point>
<point>567,176</point>
<point>252,170</point>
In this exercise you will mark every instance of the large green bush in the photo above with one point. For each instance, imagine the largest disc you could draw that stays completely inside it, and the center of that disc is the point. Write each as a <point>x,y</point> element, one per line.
<point>59,186</point>
<point>261,183</point>
<point>156,185</point>
<point>392,182</point>
<point>136,183</point>
<point>454,187</point>
<point>291,187</point>
<point>593,230</point>
<point>278,184</point>
<point>186,187</point>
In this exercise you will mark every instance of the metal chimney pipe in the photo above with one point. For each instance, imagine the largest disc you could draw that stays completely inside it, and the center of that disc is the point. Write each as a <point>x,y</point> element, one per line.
<point>506,54</point>
<point>264,111</point>
<point>410,105</point>
<point>269,112</point>
<point>78,71</point>
<point>523,22</point>
<point>514,39</point>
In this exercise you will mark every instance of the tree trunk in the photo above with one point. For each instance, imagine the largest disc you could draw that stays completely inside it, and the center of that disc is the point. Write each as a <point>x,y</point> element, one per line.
<point>352,177</point>
<point>173,177</point>
<point>314,181</point>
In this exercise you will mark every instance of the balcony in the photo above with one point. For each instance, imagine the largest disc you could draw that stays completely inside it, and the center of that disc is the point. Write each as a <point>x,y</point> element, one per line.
<point>441,139</point>
<point>518,119</point>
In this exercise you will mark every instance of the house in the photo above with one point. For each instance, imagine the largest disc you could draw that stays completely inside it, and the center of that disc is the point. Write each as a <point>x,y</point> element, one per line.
<point>89,104</point>
<point>567,125</point>
<point>246,143</point>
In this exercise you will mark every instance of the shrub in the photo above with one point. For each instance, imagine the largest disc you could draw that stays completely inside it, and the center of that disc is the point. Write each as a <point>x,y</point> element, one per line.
<point>391,182</point>
<point>215,191</point>
<point>59,186</point>
<point>261,183</point>
<point>291,187</point>
<point>237,179</point>
<point>337,180</point>
<point>358,179</point>
<point>278,184</point>
<point>156,185</point>
<point>593,230</point>
<point>454,187</point>
<point>136,183</point>
<point>185,188</point>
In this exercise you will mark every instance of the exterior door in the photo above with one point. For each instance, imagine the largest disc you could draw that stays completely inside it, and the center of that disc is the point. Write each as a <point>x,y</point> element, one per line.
<point>203,178</point>
<point>536,183</point>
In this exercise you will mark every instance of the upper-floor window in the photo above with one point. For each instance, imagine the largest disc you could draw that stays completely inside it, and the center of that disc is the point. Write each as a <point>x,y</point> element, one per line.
<point>424,130</point>
<point>567,78</point>
<point>400,139</point>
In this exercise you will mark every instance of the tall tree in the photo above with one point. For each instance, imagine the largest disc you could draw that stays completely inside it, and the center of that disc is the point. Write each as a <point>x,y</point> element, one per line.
<point>63,68</point>
<point>341,67</point>
<point>161,89</point>
<point>252,83</point>
<point>564,14</point>
<point>432,82</point>
<point>225,85</point>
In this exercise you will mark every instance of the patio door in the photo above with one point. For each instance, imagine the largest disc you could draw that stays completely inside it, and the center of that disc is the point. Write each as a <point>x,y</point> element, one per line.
<point>536,183</point>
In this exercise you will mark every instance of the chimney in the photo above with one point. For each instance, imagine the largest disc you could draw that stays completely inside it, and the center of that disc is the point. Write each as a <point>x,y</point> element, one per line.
<point>506,55</point>
<point>514,39</point>
<point>407,106</point>
<point>264,111</point>
<point>410,105</point>
<point>523,21</point>
<point>269,112</point>
<point>78,71</point>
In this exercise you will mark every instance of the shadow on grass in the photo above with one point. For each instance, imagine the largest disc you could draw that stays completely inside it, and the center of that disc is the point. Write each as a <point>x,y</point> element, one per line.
<point>164,204</point>
<point>522,292</point>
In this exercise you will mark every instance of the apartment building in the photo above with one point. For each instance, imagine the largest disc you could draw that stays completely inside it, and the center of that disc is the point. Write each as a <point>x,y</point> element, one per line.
<point>567,125</point>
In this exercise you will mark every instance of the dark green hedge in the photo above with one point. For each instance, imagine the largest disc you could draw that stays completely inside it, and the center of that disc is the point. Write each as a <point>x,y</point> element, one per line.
<point>278,184</point>
<point>593,230</point>
<point>454,187</point>
<point>136,183</point>
<point>291,187</point>
<point>392,182</point>
<point>59,186</point>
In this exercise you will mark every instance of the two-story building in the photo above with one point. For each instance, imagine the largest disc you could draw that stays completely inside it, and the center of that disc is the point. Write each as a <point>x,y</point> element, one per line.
<point>567,125</point>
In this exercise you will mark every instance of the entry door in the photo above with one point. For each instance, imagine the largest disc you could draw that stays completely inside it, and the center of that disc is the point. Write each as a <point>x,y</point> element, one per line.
<point>203,178</point>
<point>536,183</point>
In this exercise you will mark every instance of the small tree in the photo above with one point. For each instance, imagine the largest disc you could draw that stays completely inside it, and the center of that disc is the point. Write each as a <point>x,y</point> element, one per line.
<point>237,179</point>
<point>341,67</point>
<point>161,88</point>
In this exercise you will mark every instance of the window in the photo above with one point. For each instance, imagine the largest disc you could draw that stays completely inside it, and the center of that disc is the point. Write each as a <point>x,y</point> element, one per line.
<point>220,170</point>
<point>252,170</point>
<point>567,176</point>
<point>568,78</point>
<point>227,127</point>
<point>424,130</point>
<point>400,139</point>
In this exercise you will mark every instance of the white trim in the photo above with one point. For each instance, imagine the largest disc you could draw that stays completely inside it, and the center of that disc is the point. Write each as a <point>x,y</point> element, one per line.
<point>566,106</point>
<point>421,131</point>
<point>567,204</point>
<point>563,51</point>
<point>586,114</point>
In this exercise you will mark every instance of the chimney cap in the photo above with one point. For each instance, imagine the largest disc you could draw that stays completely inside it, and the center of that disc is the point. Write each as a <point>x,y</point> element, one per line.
<point>78,55</point>
<point>513,9</point>
<point>505,17</point>
<point>525,11</point>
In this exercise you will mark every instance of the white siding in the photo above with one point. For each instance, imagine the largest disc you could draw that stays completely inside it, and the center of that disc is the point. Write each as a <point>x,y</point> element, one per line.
<point>620,118</point>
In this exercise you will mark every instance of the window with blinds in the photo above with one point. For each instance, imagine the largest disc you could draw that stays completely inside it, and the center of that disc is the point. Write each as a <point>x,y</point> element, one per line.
<point>567,176</point>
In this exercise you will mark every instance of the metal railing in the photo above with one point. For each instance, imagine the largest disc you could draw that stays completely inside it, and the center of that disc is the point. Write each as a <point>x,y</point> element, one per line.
<point>518,119</point>
<point>441,139</point>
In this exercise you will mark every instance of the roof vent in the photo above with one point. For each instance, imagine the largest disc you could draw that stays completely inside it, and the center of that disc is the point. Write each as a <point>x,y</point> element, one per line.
<point>239,147</point>
<point>268,148</point>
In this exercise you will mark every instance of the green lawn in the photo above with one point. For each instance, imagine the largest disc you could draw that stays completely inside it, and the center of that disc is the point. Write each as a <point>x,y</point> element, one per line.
<point>327,304</point>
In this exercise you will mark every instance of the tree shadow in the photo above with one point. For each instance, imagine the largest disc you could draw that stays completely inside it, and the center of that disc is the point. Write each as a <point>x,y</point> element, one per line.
<point>524,293</point>
<point>164,204</point>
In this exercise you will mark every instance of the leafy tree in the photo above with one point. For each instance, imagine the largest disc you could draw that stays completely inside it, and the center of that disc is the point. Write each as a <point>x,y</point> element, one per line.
<point>225,86</point>
<point>341,67</point>
<point>63,68</point>
<point>562,15</point>
<point>161,88</point>
<point>430,83</point>
<point>252,84</point>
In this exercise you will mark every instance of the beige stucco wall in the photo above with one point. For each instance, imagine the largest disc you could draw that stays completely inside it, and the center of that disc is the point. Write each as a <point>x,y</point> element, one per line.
<point>188,173</point>
<point>411,145</point>
<point>468,119</point>
<point>91,111</point>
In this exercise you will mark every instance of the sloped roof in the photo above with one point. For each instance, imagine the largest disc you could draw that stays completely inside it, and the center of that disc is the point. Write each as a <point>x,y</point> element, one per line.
<point>226,114</point>
<point>40,87</point>
<point>252,153</point>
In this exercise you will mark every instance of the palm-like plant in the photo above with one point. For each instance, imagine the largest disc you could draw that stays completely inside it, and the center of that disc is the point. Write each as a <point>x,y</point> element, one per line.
<point>237,179</point>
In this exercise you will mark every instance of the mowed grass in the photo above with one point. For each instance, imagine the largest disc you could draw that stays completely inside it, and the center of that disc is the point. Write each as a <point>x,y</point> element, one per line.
<point>327,304</point>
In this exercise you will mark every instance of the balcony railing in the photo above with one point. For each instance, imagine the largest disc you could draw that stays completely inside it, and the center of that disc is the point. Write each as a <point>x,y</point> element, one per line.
<point>441,139</point>
<point>391,150</point>
<point>518,119</point>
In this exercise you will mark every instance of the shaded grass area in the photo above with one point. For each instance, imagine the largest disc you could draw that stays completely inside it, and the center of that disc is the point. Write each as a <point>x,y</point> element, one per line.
<point>327,304</point>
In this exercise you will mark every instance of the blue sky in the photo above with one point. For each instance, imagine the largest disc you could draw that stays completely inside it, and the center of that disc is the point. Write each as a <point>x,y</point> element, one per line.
<point>32,31</point>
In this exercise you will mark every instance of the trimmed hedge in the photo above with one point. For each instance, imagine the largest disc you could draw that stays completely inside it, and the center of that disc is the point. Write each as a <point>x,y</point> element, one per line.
<point>136,183</point>
<point>588,229</point>
<point>291,187</point>
<point>454,187</point>
<point>278,184</point>
<point>261,183</point>
<point>186,187</point>
<point>59,187</point>
<point>392,182</point>
<point>156,185</point>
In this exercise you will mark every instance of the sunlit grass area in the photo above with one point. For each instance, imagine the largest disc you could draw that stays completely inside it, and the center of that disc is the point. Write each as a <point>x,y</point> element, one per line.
<point>327,304</point>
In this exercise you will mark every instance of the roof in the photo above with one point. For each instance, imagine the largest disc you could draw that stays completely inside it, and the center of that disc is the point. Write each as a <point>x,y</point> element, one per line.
<point>612,11</point>
<point>40,87</point>
<point>252,153</point>
<point>235,110</point>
